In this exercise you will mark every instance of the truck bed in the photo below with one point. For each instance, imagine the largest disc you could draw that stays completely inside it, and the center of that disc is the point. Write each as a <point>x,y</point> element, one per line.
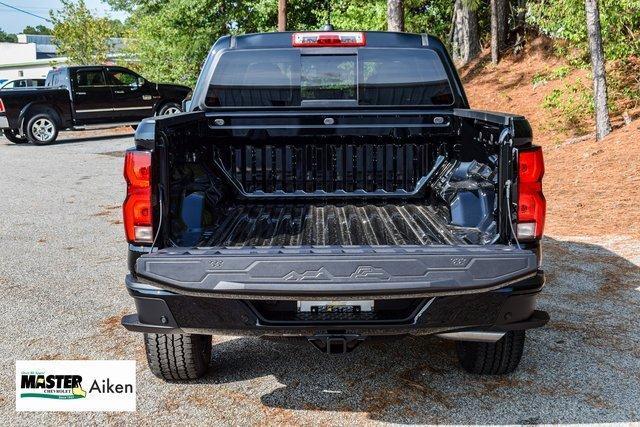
<point>361,187</point>
<point>329,224</point>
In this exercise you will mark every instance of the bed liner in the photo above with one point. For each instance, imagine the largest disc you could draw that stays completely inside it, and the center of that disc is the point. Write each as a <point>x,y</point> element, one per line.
<point>329,224</point>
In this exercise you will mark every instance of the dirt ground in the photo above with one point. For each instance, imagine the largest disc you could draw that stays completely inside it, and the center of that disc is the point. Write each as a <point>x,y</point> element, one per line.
<point>593,188</point>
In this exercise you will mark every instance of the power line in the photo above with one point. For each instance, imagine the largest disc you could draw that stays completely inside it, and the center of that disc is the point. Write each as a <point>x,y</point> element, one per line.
<point>31,8</point>
<point>24,11</point>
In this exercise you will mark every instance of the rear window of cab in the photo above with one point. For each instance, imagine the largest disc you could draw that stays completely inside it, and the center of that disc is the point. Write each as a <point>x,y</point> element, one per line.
<point>362,77</point>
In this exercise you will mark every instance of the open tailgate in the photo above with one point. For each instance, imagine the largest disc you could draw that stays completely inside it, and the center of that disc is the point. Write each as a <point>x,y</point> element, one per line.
<point>354,271</point>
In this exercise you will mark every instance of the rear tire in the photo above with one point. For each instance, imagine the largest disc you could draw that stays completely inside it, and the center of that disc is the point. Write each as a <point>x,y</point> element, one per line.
<point>178,357</point>
<point>170,108</point>
<point>42,129</point>
<point>13,136</point>
<point>497,358</point>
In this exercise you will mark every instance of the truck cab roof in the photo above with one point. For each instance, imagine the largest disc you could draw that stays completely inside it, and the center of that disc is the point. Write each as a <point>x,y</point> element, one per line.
<point>373,39</point>
<point>272,71</point>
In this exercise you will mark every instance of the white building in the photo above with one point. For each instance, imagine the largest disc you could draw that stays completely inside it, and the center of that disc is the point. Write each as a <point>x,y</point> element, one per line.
<point>33,56</point>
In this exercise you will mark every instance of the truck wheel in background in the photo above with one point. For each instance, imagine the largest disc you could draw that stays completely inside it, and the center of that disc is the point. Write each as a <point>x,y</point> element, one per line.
<point>497,358</point>
<point>14,136</point>
<point>169,108</point>
<point>179,356</point>
<point>42,128</point>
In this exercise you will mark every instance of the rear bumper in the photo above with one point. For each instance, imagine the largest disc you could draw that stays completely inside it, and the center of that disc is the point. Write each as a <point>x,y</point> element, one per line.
<point>4,122</point>
<point>509,308</point>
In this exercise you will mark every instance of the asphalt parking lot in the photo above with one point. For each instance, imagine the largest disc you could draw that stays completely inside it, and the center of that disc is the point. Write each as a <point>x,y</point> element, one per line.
<point>62,267</point>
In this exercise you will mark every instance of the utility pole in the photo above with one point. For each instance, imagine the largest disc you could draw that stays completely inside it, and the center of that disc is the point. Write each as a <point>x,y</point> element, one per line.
<point>282,15</point>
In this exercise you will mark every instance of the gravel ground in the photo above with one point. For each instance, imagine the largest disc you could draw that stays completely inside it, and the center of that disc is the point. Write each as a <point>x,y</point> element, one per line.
<point>62,270</point>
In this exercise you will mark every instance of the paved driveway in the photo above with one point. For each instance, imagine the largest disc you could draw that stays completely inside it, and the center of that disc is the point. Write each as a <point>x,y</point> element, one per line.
<point>62,264</point>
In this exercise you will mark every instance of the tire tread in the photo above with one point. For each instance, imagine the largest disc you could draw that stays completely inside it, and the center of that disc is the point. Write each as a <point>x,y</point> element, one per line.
<point>497,358</point>
<point>178,357</point>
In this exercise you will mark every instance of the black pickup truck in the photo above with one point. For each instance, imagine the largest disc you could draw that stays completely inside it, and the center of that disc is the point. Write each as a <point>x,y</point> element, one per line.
<point>333,186</point>
<point>78,97</point>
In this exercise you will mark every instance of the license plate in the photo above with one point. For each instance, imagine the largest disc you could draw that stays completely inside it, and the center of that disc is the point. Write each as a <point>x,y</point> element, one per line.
<point>331,306</point>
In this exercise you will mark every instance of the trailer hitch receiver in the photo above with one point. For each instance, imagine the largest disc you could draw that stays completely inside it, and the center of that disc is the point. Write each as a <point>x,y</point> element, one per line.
<point>336,343</point>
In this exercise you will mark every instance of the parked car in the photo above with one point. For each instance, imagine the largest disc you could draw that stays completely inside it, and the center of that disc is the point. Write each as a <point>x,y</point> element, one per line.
<point>22,83</point>
<point>83,96</point>
<point>333,186</point>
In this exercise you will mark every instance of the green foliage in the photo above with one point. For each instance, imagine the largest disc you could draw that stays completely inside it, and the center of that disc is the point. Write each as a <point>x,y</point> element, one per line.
<point>80,36</point>
<point>566,19</point>
<point>357,15</point>
<point>170,45</point>
<point>431,17</point>
<point>171,41</point>
<point>37,30</point>
<point>543,77</point>
<point>572,106</point>
<point>560,72</point>
<point>540,78</point>
<point>118,29</point>
<point>473,4</point>
<point>421,16</point>
<point>134,5</point>
<point>623,83</point>
<point>262,15</point>
<point>7,37</point>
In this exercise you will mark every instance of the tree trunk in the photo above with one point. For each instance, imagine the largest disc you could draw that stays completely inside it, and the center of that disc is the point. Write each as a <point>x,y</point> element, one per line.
<point>498,28</point>
<point>603,123</point>
<point>395,15</point>
<point>521,13</point>
<point>282,15</point>
<point>465,37</point>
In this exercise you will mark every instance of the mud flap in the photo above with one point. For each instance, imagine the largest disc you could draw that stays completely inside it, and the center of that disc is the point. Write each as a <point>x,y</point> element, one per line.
<point>355,271</point>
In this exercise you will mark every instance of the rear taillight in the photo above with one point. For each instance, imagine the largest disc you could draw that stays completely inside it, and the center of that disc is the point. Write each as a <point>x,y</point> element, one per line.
<point>137,211</point>
<point>328,39</point>
<point>532,205</point>
<point>1,106</point>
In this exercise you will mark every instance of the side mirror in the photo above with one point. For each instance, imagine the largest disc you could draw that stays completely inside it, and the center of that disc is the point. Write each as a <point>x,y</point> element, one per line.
<point>186,102</point>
